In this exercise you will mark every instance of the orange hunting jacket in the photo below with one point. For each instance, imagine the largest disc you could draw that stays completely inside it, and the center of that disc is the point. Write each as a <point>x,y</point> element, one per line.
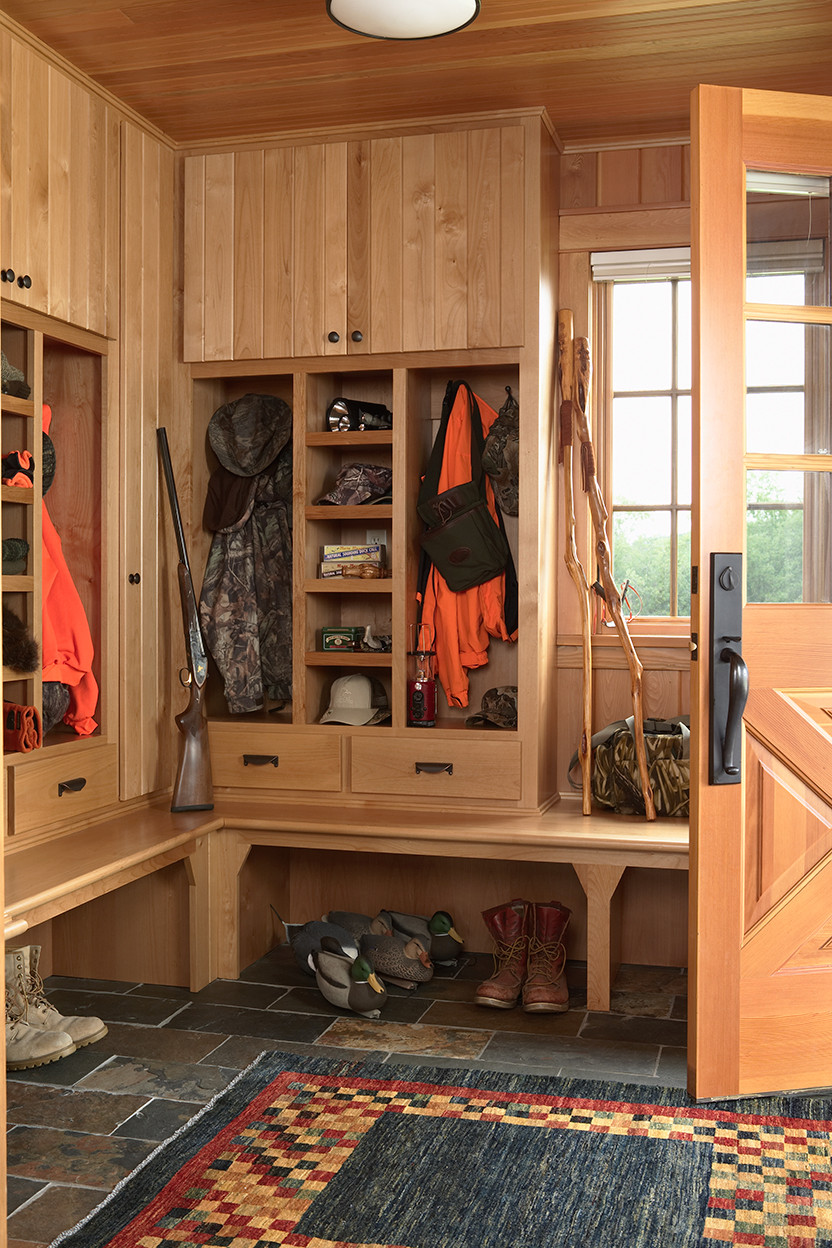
<point>67,643</point>
<point>463,622</point>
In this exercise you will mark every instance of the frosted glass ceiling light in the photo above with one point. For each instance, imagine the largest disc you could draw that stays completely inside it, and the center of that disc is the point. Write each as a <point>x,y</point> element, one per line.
<point>403,19</point>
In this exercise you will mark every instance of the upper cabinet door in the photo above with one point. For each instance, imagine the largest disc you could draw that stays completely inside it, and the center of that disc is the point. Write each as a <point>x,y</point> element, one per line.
<point>60,169</point>
<point>404,243</point>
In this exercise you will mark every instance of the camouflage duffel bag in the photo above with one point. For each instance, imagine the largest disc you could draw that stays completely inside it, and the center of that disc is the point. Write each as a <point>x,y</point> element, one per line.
<point>615,779</point>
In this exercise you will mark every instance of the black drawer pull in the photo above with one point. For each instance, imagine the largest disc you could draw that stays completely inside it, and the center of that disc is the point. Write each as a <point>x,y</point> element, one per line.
<point>433,769</point>
<point>260,760</point>
<point>71,786</point>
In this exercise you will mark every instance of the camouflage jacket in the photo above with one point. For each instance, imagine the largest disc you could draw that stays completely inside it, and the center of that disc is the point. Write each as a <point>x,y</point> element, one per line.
<point>245,607</point>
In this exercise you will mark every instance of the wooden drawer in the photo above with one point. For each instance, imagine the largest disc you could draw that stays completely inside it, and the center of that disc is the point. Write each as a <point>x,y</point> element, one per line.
<point>38,792</point>
<point>463,768</point>
<point>253,757</point>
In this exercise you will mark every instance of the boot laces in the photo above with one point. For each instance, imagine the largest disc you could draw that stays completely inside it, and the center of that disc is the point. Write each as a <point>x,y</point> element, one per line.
<point>505,953</point>
<point>14,1010</point>
<point>546,959</point>
<point>36,990</point>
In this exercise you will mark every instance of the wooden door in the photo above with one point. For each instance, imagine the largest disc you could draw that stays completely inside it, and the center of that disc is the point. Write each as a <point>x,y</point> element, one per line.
<point>761,839</point>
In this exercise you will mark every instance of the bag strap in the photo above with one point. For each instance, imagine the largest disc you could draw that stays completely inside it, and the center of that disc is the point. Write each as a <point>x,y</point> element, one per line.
<point>430,482</point>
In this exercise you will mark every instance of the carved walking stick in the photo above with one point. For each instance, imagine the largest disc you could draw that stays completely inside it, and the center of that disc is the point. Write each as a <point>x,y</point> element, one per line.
<point>598,511</point>
<point>576,571</point>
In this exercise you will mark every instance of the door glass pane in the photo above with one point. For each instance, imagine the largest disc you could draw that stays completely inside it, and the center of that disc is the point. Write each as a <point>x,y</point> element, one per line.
<point>789,536</point>
<point>789,384</point>
<point>787,224</point>
<point>642,461</point>
<point>683,454</point>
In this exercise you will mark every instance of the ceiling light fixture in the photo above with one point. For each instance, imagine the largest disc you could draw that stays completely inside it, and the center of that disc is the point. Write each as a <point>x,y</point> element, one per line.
<point>403,19</point>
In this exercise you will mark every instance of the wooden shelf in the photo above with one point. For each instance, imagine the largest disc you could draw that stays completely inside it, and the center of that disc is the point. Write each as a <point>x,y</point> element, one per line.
<point>16,494</point>
<point>375,437</point>
<point>10,674</point>
<point>10,404</point>
<point>347,658</point>
<point>363,511</point>
<point>18,584</point>
<point>349,585</point>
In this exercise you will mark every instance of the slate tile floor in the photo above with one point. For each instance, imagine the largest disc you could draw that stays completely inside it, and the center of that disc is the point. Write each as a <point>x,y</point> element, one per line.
<point>77,1126</point>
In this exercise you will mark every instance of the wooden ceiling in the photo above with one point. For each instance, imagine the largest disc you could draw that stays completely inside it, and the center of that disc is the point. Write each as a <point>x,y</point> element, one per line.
<point>606,70</point>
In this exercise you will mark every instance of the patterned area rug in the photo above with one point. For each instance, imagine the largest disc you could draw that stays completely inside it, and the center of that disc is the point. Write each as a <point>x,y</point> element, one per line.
<point>311,1153</point>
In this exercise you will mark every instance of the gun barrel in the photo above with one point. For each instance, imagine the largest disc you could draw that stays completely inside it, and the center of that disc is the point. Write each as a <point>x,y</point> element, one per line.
<point>164,452</point>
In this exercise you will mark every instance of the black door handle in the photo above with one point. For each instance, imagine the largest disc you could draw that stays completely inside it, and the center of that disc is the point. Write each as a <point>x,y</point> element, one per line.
<point>728,672</point>
<point>737,698</point>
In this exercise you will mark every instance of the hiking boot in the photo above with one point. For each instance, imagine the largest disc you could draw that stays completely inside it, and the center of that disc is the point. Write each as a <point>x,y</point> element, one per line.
<point>545,990</point>
<point>39,1013</point>
<point>27,1047</point>
<point>507,925</point>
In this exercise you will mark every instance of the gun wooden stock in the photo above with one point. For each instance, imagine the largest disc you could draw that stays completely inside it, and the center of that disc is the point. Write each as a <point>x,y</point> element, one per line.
<point>193,788</point>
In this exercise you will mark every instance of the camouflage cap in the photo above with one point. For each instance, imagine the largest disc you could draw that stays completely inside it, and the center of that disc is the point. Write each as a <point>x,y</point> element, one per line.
<point>361,483</point>
<point>499,707</point>
<point>248,434</point>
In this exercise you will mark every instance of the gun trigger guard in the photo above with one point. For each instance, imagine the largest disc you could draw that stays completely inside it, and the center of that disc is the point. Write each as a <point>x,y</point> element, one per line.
<point>185,677</point>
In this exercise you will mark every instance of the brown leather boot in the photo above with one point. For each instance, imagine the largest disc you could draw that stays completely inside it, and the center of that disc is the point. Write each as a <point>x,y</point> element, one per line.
<point>545,990</point>
<point>507,925</point>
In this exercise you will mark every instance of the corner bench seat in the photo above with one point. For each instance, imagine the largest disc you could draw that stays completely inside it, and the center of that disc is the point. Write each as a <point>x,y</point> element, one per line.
<point>47,879</point>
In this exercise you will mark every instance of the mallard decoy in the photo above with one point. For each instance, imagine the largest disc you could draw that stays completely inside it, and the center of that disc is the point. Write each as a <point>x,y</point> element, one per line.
<point>442,941</point>
<point>305,939</point>
<point>349,983</point>
<point>359,925</point>
<point>406,965</point>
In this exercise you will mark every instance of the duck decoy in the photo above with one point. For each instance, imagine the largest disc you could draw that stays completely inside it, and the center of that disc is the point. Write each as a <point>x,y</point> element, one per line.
<point>442,941</point>
<point>305,939</point>
<point>359,925</point>
<point>406,965</point>
<point>349,983</point>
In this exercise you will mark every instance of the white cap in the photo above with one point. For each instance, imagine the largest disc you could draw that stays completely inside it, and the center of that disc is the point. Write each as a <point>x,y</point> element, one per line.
<point>355,700</point>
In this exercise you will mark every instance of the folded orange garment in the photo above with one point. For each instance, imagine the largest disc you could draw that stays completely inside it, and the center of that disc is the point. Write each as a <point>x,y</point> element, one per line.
<point>21,728</point>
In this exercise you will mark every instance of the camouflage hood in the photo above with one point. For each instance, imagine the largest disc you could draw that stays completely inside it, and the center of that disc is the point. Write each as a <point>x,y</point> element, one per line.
<point>248,434</point>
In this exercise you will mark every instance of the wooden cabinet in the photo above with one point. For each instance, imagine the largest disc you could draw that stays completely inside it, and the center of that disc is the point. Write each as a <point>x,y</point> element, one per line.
<point>59,150</point>
<point>388,243</point>
<point>482,196</point>
<point>63,519</point>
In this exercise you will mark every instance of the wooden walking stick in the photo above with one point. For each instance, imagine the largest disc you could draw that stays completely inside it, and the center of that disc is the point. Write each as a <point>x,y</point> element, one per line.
<point>566,367</point>
<point>598,511</point>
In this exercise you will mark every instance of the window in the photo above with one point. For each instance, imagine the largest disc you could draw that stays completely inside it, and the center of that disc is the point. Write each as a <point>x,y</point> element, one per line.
<point>647,485</point>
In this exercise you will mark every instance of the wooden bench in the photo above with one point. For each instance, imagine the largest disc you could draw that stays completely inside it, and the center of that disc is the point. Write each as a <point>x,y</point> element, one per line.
<point>48,879</point>
<point>599,847</point>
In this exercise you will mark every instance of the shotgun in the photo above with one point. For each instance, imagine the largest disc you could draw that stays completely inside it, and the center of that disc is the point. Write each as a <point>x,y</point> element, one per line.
<point>194,788</point>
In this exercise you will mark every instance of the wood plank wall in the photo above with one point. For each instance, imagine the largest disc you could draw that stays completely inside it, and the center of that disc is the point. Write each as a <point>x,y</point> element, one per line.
<point>615,200</point>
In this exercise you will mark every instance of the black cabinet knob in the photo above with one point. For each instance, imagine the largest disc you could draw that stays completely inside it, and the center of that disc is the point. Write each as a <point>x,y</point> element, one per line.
<point>357,335</point>
<point>7,275</point>
<point>134,578</point>
<point>334,336</point>
<point>24,282</point>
